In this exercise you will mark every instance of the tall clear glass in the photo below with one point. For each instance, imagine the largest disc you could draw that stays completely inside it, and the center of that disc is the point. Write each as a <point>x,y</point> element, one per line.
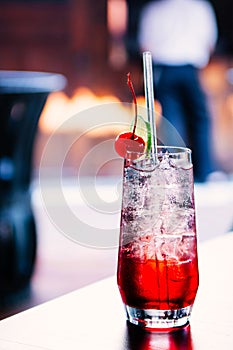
<point>157,263</point>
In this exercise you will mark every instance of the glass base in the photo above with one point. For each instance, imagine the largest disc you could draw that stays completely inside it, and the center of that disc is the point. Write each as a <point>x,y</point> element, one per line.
<point>160,320</point>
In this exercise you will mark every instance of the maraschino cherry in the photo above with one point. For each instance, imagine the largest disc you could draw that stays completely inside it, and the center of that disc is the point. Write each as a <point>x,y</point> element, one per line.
<point>129,141</point>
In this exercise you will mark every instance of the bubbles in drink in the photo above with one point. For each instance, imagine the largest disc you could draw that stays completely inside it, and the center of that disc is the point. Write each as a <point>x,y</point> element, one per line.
<point>158,202</point>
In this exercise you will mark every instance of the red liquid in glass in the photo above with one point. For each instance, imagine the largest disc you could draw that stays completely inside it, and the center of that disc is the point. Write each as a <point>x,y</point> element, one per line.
<point>166,284</point>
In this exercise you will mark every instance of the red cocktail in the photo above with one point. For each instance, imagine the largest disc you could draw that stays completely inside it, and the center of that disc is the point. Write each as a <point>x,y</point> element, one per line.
<point>161,284</point>
<point>157,263</point>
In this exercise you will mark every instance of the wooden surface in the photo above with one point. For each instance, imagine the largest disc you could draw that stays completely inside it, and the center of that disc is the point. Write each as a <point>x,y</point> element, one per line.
<point>93,317</point>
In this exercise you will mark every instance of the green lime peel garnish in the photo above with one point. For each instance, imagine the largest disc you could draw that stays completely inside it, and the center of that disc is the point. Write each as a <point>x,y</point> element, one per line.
<point>143,129</point>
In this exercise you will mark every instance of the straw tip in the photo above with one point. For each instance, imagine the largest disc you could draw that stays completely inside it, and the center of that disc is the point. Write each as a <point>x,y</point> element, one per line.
<point>146,53</point>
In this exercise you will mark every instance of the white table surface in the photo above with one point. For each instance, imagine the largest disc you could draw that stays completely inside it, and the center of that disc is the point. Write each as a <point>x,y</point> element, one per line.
<point>93,317</point>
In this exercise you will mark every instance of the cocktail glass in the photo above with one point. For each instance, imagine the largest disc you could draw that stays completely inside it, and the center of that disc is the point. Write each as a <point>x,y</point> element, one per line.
<point>157,264</point>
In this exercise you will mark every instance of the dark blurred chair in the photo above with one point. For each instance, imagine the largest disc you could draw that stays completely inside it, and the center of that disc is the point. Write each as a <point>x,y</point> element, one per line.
<point>22,98</point>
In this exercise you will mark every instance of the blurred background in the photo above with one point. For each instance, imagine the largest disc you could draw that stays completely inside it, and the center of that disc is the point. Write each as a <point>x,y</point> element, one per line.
<point>94,45</point>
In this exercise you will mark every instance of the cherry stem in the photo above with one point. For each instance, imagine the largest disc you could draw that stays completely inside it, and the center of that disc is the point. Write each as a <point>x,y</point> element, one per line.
<point>130,84</point>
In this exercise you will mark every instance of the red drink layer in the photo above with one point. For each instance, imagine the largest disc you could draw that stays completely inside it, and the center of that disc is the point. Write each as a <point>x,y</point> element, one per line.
<point>165,284</point>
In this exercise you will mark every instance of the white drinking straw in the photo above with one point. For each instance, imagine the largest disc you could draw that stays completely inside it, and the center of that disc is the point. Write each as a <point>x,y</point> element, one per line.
<point>149,96</point>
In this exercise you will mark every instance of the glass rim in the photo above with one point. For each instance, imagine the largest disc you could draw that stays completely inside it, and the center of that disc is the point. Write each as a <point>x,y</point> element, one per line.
<point>180,156</point>
<point>172,150</point>
<point>179,149</point>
